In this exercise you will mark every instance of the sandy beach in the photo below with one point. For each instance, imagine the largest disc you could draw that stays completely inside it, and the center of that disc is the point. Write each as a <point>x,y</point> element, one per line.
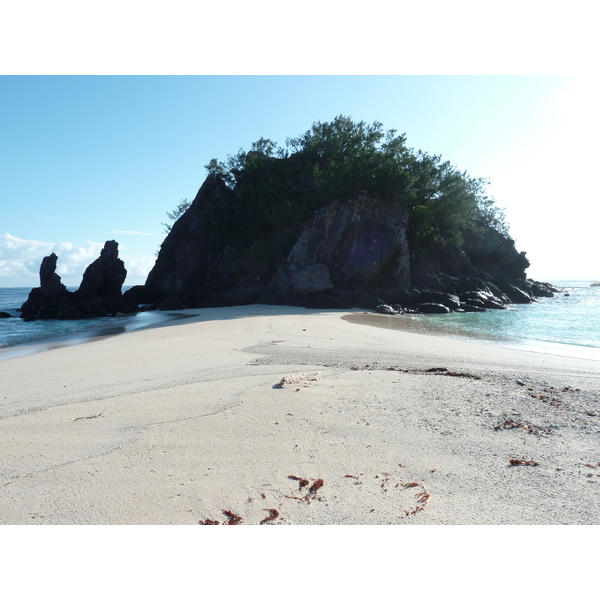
<point>189,423</point>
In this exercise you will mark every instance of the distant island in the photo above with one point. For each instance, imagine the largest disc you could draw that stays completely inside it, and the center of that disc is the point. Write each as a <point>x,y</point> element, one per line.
<point>346,215</point>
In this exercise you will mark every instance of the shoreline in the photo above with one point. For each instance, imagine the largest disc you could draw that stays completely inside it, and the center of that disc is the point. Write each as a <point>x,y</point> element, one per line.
<point>434,326</point>
<point>176,424</point>
<point>94,333</point>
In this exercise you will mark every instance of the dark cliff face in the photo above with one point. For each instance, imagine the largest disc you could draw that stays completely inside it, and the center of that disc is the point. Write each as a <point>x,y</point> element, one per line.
<point>346,249</point>
<point>191,262</point>
<point>363,243</point>
<point>349,253</point>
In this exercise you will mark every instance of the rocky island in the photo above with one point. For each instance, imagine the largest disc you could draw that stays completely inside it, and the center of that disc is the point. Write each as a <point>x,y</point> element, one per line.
<point>345,216</point>
<point>349,218</point>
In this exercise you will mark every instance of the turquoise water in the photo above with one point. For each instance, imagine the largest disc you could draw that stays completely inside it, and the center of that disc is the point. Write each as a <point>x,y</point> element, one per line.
<point>18,337</point>
<point>567,324</point>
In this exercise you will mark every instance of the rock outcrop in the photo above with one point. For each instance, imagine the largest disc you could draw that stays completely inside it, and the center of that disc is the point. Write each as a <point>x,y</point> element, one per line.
<point>98,296</point>
<point>353,253</point>
<point>52,299</point>
<point>104,278</point>
<point>189,267</point>
<point>346,252</point>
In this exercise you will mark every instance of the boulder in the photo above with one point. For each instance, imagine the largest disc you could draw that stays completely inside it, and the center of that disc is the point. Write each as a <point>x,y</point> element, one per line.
<point>135,294</point>
<point>541,289</point>
<point>386,309</point>
<point>431,308</point>
<point>451,301</point>
<point>467,307</point>
<point>482,299</point>
<point>518,296</point>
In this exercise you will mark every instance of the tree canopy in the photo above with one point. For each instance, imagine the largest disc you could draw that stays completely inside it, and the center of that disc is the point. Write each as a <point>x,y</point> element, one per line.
<point>277,188</point>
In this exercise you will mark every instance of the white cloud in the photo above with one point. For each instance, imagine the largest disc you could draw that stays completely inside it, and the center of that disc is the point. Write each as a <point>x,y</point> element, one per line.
<point>14,248</point>
<point>137,267</point>
<point>20,261</point>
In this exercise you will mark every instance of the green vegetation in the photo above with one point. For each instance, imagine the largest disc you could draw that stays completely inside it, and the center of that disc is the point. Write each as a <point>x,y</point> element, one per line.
<point>175,214</point>
<point>276,189</point>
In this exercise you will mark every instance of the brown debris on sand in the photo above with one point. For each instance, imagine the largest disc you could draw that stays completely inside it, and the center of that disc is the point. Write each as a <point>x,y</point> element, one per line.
<point>421,498</point>
<point>315,487</point>
<point>514,462</point>
<point>232,519</point>
<point>430,371</point>
<point>273,514</point>
<point>301,482</point>
<point>445,371</point>
<point>509,423</point>
<point>312,490</point>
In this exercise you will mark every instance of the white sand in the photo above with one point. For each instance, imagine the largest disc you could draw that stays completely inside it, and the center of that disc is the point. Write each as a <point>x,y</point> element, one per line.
<point>176,424</point>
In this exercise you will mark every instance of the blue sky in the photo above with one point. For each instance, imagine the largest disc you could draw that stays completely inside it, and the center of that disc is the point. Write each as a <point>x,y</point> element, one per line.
<point>91,149</point>
<point>85,159</point>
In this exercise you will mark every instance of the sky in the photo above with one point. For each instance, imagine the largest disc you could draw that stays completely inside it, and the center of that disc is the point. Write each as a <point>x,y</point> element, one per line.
<point>88,154</point>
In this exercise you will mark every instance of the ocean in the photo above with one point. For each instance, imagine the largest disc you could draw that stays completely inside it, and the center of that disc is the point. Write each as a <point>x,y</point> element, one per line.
<point>567,324</point>
<point>19,337</point>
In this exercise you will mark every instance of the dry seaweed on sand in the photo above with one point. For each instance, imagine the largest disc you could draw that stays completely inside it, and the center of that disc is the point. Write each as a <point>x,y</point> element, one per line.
<point>516,462</point>
<point>445,371</point>
<point>312,490</point>
<point>433,371</point>
<point>421,498</point>
<point>301,482</point>
<point>509,423</point>
<point>233,519</point>
<point>273,514</point>
<point>315,487</point>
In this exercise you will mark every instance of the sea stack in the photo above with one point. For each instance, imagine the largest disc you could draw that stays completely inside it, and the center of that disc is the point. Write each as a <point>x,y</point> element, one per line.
<point>98,296</point>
